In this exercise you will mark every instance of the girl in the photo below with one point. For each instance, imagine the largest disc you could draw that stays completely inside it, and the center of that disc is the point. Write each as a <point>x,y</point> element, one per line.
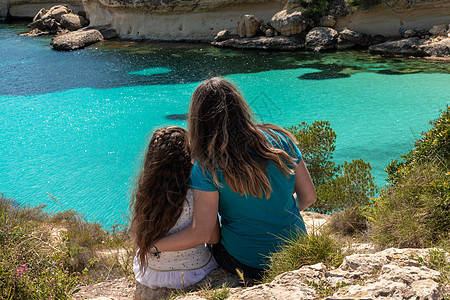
<point>247,172</point>
<point>162,203</point>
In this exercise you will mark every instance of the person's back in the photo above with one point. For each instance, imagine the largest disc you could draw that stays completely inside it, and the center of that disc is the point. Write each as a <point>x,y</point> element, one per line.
<point>253,227</point>
<point>246,171</point>
<point>163,204</point>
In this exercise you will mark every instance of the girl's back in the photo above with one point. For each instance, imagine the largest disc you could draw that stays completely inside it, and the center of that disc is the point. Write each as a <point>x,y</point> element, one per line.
<point>162,203</point>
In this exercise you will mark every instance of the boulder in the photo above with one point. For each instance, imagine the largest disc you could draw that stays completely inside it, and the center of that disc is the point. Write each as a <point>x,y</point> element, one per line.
<point>377,39</point>
<point>106,30</point>
<point>290,22</point>
<point>408,46</point>
<point>39,15</point>
<point>76,39</point>
<point>409,33</point>
<point>270,32</point>
<point>73,22</point>
<point>439,48</point>
<point>327,21</point>
<point>51,24</point>
<point>321,38</point>
<point>222,36</point>
<point>56,12</point>
<point>38,24</point>
<point>355,37</point>
<point>439,30</point>
<point>248,26</point>
<point>343,44</point>
<point>263,42</point>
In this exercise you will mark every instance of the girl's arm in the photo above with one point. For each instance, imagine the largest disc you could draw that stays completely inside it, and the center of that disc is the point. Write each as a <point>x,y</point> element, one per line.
<point>203,228</point>
<point>304,187</point>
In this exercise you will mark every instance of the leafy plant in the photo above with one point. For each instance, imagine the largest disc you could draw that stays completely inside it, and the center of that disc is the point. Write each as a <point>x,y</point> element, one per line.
<point>316,142</point>
<point>433,146</point>
<point>44,256</point>
<point>315,8</point>
<point>415,210</point>
<point>338,187</point>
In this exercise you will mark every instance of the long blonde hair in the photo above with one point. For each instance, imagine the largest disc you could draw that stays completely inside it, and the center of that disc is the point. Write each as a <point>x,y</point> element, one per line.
<point>224,137</point>
<point>160,189</point>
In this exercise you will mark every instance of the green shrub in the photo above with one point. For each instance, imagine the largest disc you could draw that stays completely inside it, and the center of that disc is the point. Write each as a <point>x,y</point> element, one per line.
<point>433,146</point>
<point>301,250</point>
<point>30,267</point>
<point>338,187</point>
<point>414,211</point>
<point>354,186</point>
<point>44,256</point>
<point>316,142</point>
<point>315,8</point>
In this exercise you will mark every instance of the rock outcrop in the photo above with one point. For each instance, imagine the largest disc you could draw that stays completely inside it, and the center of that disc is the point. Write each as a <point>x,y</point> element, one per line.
<point>28,9</point>
<point>73,22</point>
<point>355,37</point>
<point>76,39</point>
<point>437,47</point>
<point>263,42</point>
<point>389,274</point>
<point>409,46</point>
<point>248,26</point>
<point>290,22</point>
<point>321,38</point>
<point>57,19</point>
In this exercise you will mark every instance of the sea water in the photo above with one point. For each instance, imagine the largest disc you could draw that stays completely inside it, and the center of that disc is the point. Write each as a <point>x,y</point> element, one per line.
<point>73,125</point>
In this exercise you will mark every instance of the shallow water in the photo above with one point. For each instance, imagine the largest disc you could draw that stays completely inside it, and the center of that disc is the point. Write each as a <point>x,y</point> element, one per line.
<point>73,124</point>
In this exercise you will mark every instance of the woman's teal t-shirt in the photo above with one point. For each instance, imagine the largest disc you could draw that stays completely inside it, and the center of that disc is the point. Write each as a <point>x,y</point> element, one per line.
<point>252,228</point>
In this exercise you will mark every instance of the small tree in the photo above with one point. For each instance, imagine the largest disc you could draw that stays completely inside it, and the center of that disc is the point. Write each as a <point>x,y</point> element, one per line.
<point>338,187</point>
<point>316,142</point>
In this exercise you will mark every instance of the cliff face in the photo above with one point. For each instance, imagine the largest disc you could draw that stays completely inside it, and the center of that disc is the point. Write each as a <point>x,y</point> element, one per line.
<point>177,19</point>
<point>202,19</point>
<point>29,8</point>
<point>393,16</point>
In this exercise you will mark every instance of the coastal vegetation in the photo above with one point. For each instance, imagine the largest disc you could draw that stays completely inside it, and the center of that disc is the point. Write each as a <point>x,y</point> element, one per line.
<point>48,256</point>
<point>412,211</point>
<point>338,187</point>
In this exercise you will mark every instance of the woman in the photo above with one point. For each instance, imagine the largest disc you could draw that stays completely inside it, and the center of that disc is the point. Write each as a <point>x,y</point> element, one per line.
<point>245,171</point>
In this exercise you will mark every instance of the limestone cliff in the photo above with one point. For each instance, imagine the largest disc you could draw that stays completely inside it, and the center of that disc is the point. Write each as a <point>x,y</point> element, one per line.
<point>177,19</point>
<point>393,16</point>
<point>29,8</point>
<point>202,19</point>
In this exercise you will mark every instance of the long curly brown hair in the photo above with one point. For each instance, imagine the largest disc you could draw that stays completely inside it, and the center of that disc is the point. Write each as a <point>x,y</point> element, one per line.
<point>160,188</point>
<point>222,131</point>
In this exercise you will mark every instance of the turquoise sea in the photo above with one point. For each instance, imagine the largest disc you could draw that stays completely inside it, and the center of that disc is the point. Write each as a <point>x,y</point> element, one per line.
<point>74,124</point>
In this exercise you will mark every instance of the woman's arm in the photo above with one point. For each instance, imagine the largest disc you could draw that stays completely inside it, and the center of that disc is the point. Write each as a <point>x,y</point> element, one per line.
<point>202,229</point>
<point>304,187</point>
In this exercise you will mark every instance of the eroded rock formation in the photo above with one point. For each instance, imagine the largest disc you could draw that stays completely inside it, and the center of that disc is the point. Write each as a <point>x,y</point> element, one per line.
<point>389,274</point>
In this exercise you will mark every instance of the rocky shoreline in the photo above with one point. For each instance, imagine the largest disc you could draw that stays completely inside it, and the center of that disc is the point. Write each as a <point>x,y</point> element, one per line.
<point>291,30</point>
<point>288,30</point>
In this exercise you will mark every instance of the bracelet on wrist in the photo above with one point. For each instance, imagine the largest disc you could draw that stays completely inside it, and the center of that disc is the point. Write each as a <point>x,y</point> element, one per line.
<point>154,251</point>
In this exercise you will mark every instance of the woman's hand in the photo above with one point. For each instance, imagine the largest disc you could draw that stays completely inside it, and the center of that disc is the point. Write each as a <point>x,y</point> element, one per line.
<point>204,227</point>
<point>304,187</point>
